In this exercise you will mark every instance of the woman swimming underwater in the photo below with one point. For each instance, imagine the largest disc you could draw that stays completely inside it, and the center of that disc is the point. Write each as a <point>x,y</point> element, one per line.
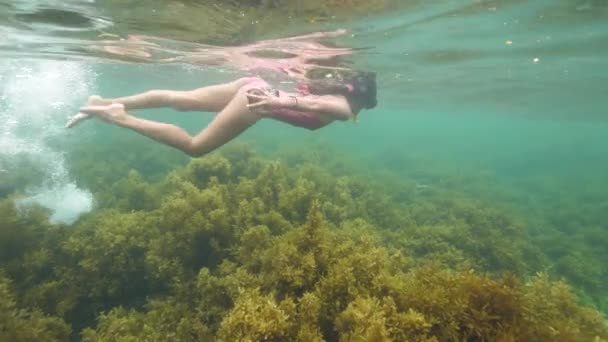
<point>239,105</point>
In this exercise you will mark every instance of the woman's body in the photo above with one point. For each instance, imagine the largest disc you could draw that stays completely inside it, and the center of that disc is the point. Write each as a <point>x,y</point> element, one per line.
<point>240,104</point>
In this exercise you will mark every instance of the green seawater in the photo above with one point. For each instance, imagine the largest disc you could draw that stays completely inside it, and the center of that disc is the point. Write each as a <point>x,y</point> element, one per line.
<point>492,115</point>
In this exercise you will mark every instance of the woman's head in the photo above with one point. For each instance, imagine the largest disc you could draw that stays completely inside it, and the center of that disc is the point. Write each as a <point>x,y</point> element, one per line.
<point>359,87</point>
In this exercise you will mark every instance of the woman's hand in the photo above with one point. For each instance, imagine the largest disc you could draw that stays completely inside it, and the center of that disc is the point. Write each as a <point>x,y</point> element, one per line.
<point>262,103</point>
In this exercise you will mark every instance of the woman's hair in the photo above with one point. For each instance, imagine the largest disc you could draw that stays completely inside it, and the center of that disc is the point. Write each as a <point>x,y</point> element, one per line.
<point>358,87</point>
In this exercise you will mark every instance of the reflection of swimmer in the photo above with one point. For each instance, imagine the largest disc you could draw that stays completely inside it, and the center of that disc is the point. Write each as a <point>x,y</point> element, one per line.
<point>240,104</point>
<point>292,56</point>
<point>134,47</point>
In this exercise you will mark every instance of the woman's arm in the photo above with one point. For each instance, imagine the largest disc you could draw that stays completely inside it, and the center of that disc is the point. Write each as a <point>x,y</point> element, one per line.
<point>334,106</point>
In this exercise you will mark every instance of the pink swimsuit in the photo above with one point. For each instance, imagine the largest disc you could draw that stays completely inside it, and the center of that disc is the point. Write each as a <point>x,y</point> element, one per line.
<point>298,118</point>
<point>308,120</point>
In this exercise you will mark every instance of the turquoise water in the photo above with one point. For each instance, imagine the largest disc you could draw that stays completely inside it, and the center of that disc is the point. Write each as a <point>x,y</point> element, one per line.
<point>502,102</point>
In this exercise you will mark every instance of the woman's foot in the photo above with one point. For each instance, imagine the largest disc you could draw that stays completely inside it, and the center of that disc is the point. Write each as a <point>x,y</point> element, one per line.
<point>113,113</point>
<point>80,117</point>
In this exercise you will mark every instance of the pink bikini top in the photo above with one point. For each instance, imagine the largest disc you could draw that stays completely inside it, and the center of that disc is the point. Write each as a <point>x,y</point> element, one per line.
<point>298,118</point>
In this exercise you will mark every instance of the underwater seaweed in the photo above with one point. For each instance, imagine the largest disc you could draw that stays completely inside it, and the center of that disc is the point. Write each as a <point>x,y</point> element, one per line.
<point>23,325</point>
<point>236,247</point>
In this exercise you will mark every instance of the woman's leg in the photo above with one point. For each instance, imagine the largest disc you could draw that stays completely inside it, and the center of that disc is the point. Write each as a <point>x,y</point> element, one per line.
<point>207,99</point>
<point>234,119</point>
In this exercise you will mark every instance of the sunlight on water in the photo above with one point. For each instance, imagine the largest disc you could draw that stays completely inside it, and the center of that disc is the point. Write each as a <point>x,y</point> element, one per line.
<point>35,98</point>
<point>66,201</point>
